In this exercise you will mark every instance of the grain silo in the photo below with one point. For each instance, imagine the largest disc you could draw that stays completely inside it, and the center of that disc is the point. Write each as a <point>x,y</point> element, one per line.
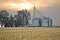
<point>50,22</point>
<point>46,21</point>
<point>36,22</point>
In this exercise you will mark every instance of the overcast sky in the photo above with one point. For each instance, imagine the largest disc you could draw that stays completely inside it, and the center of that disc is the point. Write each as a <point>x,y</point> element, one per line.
<point>39,3</point>
<point>50,8</point>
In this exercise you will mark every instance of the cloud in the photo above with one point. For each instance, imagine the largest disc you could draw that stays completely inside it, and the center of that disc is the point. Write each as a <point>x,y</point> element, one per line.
<point>41,4</point>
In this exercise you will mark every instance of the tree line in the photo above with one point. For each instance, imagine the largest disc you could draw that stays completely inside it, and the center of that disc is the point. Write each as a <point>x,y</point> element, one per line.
<point>20,19</point>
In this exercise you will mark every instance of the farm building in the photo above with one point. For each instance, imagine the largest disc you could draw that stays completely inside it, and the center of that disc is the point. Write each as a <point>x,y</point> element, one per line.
<point>46,21</point>
<point>36,22</point>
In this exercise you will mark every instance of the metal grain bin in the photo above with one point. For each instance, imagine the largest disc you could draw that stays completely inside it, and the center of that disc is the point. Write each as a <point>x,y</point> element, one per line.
<point>36,22</point>
<point>50,22</point>
<point>46,21</point>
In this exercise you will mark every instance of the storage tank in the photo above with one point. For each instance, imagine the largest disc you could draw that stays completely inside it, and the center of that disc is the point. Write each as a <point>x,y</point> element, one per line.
<point>36,22</point>
<point>50,21</point>
<point>46,21</point>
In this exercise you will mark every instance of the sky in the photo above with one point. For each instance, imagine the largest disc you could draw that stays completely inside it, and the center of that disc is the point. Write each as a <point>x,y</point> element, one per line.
<point>41,4</point>
<point>49,8</point>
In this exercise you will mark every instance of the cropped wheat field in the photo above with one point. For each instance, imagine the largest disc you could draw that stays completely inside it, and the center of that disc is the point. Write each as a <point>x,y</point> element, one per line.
<point>30,33</point>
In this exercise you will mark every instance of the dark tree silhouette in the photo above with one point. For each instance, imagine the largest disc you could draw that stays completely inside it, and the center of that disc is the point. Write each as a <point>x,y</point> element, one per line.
<point>21,19</point>
<point>4,17</point>
<point>11,21</point>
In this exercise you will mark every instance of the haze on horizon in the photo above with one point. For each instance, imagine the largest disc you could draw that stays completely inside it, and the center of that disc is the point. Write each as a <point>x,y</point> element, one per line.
<point>50,8</point>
